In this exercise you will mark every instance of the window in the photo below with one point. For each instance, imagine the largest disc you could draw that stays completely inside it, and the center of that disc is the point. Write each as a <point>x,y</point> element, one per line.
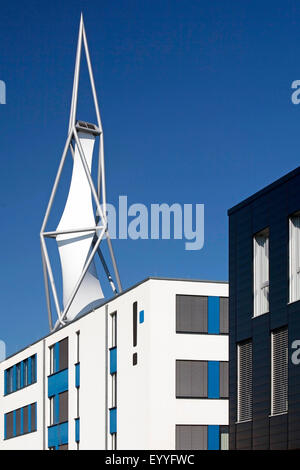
<point>9,421</point>
<point>191,314</point>
<point>20,421</point>
<point>59,408</point>
<point>261,272</point>
<point>245,381</point>
<point>191,379</point>
<point>279,371</point>
<point>33,369</point>
<point>63,407</point>
<point>33,416</point>
<point>201,379</point>
<point>114,391</point>
<point>63,354</point>
<point>25,420</point>
<point>224,437</point>
<point>191,437</point>
<point>224,315</point>
<point>294,257</point>
<point>52,359</point>
<point>52,412</point>
<point>78,402</point>
<point>224,379</point>
<point>113,329</point>
<point>78,345</point>
<point>9,380</point>
<point>26,372</point>
<point>113,381</point>
<point>134,320</point>
<point>18,376</point>
<point>59,356</point>
<point>114,441</point>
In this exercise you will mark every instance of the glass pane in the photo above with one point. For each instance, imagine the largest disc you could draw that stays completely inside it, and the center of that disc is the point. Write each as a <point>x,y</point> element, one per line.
<point>224,441</point>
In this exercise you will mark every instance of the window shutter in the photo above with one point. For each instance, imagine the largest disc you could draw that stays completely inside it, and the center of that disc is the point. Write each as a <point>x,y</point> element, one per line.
<point>280,371</point>
<point>191,437</point>
<point>25,420</point>
<point>191,379</point>
<point>191,314</point>
<point>245,381</point>
<point>224,315</point>
<point>224,379</point>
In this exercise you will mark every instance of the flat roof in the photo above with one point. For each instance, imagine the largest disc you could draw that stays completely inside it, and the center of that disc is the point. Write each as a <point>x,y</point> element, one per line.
<point>265,190</point>
<point>110,300</point>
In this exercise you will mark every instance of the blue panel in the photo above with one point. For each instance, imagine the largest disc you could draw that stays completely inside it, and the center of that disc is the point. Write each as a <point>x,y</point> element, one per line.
<point>29,418</point>
<point>142,316</point>
<point>213,437</point>
<point>56,357</point>
<point>5,382</point>
<point>14,421</point>
<point>52,436</point>
<point>22,421</point>
<point>58,435</point>
<point>35,415</point>
<point>14,378</point>
<point>214,315</point>
<point>77,429</point>
<point>29,371</point>
<point>77,375</point>
<point>213,379</point>
<point>113,360</point>
<point>113,420</point>
<point>63,433</point>
<point>58,382</point>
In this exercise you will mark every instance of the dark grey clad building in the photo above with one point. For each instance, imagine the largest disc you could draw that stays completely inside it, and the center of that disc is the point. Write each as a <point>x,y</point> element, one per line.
<point>264,279</point>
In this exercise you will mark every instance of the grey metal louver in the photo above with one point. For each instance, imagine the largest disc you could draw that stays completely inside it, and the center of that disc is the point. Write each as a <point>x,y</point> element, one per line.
<point>279,371</point>
<point>245,381</point>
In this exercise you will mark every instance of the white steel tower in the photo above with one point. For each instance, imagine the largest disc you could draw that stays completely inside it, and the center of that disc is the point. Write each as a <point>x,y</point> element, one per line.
<point>81,227</point>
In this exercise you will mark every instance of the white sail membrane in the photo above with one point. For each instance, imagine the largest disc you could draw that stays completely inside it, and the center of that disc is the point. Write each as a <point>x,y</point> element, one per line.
<point>74,248</point>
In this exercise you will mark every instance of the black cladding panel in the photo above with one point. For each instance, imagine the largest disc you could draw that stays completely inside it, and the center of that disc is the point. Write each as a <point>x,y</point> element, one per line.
<point>271,208</point>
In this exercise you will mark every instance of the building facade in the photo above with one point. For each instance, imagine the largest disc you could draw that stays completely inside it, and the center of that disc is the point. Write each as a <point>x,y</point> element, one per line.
<point>148,369</point>
<point>264,270</point>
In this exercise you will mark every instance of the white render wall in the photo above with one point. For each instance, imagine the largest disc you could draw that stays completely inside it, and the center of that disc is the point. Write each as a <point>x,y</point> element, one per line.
<point>147,409</point>
<point>150,385</point>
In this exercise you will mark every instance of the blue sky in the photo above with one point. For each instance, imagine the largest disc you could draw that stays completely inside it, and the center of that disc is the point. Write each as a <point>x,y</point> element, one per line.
<point>195,99</point>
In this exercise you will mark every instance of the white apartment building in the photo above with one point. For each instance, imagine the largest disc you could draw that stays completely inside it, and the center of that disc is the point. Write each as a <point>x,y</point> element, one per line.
<point>148,369</point>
